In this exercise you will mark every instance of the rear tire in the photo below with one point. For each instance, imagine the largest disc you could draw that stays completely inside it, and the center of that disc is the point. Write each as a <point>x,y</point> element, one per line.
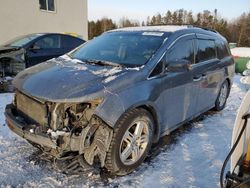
<point>222,97</point>
<point>131,142</point>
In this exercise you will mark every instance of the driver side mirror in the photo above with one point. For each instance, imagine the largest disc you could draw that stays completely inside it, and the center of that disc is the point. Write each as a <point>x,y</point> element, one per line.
<point>178,65</point>
<point>34,48</point>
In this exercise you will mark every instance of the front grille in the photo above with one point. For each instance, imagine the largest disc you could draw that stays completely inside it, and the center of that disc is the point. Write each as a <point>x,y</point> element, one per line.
<point>32,108</point>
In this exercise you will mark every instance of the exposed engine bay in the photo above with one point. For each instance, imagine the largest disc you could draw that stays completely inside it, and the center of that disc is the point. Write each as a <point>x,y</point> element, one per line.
<point>61,129</point>
<point>12,61</point>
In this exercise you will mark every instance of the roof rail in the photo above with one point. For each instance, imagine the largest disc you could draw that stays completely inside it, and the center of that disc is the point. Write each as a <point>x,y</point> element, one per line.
<point>205,28</point>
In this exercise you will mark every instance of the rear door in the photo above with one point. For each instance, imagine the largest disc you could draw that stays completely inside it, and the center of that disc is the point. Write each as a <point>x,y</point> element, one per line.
<point>69,43</point>
<point>44,49</point>
<point>207,73</point>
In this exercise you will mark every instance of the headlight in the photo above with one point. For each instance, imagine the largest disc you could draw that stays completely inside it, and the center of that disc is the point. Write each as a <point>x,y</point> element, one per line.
<point>79,108</point>
<point>96,101</point>
<point>21,57</point>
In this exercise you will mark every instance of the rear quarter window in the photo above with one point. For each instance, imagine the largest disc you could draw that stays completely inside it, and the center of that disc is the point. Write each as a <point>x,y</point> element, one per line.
<point>222,50</point>
<point>49,42</point>
<point>206,50</point>
<point>70,42</point>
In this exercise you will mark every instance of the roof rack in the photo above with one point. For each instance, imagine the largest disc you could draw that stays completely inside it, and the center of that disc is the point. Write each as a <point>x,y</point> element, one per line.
<point>189,26</point>
<point>207,29</point>
<point>163,28</point>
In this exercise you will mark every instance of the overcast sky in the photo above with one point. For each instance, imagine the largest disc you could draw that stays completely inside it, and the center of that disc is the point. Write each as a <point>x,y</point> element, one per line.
<point>140,9</point>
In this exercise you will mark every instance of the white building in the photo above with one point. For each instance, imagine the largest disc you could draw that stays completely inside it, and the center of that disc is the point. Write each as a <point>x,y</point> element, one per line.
<point>20,17</point>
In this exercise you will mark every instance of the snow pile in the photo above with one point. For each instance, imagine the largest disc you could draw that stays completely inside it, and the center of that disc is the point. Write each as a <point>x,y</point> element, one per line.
<point>248,65</point>
<point>246,79</point>
<point>241,52</point>
<point>191,157</point>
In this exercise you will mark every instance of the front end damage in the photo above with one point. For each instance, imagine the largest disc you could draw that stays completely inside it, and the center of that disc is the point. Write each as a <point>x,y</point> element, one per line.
<point>60,128</point>
<point>12,61</point>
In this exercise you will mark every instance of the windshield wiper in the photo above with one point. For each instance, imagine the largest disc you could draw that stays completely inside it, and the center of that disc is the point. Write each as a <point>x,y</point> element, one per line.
<point>101,62</point>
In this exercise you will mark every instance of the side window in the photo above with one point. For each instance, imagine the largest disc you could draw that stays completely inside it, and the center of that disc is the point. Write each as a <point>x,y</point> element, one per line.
<point>222,50</point>
<point>206,50</point>
<point>70,42</point>
<point>47,5</point>
<point>52,41</point>
<point>157,70</point>
<point>182,49</point>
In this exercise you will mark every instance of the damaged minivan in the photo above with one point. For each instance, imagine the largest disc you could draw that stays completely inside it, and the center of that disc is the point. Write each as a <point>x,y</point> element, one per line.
<point>116,95</point>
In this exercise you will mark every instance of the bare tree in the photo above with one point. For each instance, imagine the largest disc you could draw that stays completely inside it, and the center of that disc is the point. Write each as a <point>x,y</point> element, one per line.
<point>190,18</point>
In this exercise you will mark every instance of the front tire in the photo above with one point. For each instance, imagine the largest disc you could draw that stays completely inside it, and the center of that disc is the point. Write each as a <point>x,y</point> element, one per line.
<point>131,142</point>
<point>222,97</point>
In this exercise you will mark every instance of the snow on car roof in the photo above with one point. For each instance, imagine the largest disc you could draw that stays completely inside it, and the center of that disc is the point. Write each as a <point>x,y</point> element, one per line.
<point>165,28</point>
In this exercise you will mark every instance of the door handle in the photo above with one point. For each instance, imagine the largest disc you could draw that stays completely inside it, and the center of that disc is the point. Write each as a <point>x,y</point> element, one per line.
<point>204,76</point>
<point>197,78</point>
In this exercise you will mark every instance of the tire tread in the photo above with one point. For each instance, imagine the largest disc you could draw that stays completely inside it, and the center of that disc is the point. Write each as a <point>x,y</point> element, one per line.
<point>109,162</point>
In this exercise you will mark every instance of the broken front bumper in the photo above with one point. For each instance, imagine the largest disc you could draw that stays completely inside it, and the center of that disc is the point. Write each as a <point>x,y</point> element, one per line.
<point>97,146</point>
<point>28,132</point>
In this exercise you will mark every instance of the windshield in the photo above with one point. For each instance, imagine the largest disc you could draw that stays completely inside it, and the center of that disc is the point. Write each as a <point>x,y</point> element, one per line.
<point>22,41</point>
<point>125,48</point>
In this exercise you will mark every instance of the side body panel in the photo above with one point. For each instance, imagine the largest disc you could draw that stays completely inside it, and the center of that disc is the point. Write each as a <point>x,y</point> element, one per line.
<point>179,99</point>
<point>147,93</point>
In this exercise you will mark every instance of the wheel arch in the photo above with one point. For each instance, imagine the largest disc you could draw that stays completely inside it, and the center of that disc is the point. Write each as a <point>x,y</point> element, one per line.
<point>153,112</point>
<point>111,119</point>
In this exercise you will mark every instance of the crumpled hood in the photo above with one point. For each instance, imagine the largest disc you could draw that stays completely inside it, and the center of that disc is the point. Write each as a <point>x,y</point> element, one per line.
<point>7,49</point>
<point>67,80</point>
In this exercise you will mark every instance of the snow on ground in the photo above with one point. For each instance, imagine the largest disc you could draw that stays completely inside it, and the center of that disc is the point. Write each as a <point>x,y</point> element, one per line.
<point>191,157</point>
<point>241,52</point>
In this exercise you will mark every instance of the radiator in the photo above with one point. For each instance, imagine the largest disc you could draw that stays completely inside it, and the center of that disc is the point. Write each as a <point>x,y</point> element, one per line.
<point>32,108</point>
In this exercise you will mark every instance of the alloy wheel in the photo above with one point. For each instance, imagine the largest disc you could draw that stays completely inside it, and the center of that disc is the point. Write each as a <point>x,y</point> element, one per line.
<point>134,142</point>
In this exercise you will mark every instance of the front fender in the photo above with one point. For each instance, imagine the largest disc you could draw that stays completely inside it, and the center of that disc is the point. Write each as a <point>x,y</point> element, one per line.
<point>116,104</point>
